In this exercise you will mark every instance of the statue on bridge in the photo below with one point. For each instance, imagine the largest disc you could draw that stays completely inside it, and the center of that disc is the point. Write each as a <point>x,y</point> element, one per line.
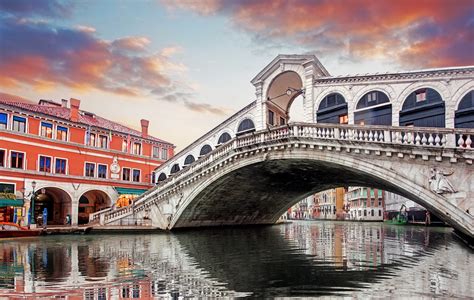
<point>439,183</point>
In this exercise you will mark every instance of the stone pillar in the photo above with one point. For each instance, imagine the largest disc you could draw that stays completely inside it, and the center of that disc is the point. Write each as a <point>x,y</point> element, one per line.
<point>449,113</point>
<point>260,120</point>
<point>75,210</point>
<point>308,101</point>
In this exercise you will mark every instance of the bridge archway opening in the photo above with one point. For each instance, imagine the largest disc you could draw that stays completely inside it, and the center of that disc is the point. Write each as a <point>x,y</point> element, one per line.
<point>333,109</point>
<point>205,150</point>
<point>281,93</point>
<point>374,108</point>
<point>56,201</point>
<point>464,115</point>
<point>189,160</point>
<point>423,108</point>
<point>245,126</point>
<point>268,188</point>
<point>175,168</point>
<point>224,138</point>
<point>162,177</point>
<point>91,202</point>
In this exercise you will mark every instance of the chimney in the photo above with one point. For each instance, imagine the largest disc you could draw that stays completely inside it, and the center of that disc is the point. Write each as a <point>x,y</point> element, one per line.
<point>64,103</point>
<point>75,103</point>
<point>145,124</point>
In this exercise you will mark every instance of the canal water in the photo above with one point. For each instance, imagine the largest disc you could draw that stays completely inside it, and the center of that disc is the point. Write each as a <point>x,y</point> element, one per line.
<point>299,259</point>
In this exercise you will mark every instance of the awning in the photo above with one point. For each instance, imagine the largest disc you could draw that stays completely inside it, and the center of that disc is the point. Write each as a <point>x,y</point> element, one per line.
<point>129,191</point>
<point>4,202</point>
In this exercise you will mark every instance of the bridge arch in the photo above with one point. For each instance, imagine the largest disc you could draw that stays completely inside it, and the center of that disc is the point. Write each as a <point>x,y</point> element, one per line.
<point>162,177</point>
<point>423,107</point>
<point>223,138</point>
<point>283,89</point>
<point>281,179</point>
<point>246,125</point>
<point>373,108</point>
<point>205,149</point>
<point>189,159</point>
<point>464,115</point>
<point>332,109</point>
<point>175,168</point>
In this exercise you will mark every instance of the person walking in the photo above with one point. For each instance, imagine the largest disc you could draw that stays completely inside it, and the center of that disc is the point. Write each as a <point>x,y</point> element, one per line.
<point>45,217</point>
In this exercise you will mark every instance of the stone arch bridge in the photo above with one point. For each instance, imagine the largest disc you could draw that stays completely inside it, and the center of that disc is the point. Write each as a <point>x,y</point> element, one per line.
<point>256,164</point>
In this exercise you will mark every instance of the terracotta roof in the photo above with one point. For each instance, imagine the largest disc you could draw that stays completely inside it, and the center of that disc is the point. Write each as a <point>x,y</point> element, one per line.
<point>64,113</point>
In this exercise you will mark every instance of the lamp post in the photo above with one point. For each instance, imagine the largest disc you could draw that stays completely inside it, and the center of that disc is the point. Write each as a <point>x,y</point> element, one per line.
<point>33,196</point>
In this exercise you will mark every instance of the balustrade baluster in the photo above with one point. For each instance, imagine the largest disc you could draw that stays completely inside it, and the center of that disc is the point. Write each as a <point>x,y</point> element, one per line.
<point>371,136</point>
<point>424,140</point>
<point>366,135</point>
<point>430,139</point>
<point>443,139</point>
<point>437,140</point>
<point>468,141</point>
<point>417,138</point>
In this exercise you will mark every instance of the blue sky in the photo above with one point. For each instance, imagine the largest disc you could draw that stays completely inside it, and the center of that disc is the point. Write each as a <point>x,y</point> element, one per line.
<point>186,65</point>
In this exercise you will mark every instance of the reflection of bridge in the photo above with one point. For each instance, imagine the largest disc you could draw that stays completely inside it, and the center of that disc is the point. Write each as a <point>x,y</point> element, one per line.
<point>253,166</point>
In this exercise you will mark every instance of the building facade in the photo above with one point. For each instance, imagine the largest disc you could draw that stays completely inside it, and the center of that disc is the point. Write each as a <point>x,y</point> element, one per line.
<point>71,162</point>
<point>328,205</point>
<point>365,204</point>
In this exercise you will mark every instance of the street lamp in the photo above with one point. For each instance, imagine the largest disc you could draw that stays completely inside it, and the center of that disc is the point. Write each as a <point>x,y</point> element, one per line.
<point>33,196</point>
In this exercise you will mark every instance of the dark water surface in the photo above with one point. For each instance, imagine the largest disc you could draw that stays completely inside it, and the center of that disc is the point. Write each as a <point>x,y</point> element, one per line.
<point>300,259</point>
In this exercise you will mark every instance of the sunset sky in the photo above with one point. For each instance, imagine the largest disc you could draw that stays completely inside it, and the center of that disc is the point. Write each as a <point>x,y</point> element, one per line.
<point>186,65</point>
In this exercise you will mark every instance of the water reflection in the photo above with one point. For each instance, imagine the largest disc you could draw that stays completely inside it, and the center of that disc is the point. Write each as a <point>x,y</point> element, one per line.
<point>298,259</point>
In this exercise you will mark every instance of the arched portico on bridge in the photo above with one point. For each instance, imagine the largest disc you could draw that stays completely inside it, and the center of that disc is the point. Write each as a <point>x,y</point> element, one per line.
<point>56,201</point>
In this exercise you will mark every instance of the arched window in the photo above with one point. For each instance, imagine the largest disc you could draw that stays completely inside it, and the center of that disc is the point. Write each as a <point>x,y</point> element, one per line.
<point>464,117</point>
<point>423,108</point>
<point>205,150</point>
<point>370,109</point>
<point>332,109</point>
<point>189,160</point>
<point>162,177</point>
<point>224,138</point>
<point>246,126</point>
<point>175,168</point>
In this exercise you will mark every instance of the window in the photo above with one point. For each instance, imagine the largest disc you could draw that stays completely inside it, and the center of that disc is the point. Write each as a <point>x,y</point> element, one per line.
<point>420,95</point>
<point>102,171</point>
<point>2,158</point>
<point>17,160</point>
<point>124,146</point>
<point>271,117</point>
<point>156,152</point>
<point>126,174</point>
<point>103,141</point>
<point>365,213</point>
<point>19,124</point>
<point>380,213</point>
<point>343,119</point>
<point>90,170</point>
<point>282,121</point>
<point>61,133</point>
<point>137,148</point>
<point>91,140</point>
<point>3,121</point>
<point>164,153</point>
<point>46,130</point>
<point>60,167</point>
<point>136,175</point>
<point>372,97</point>
<point>45,164</point>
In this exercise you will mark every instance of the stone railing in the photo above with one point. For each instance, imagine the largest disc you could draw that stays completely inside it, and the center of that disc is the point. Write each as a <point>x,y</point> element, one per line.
<point>411,137</point>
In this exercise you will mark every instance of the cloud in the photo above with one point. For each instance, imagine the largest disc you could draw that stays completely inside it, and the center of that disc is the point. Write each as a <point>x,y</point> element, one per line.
<point>423,33</point>
<point>27,8</point>
<point>43,56</point>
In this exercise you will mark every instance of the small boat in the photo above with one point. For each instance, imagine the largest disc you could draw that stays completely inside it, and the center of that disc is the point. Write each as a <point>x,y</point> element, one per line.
<point>12,230</point>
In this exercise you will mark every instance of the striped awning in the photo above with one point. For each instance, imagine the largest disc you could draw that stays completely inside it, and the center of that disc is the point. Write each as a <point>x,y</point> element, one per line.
<point>129,191</point>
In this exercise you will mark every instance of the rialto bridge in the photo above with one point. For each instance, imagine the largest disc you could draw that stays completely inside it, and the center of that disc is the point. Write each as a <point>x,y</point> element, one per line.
<point>410,133</point>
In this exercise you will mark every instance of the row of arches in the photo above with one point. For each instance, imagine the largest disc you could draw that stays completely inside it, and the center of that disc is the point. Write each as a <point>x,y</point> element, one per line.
<point>422,108</point>
<point>245,126</point>
<point>58,204</point>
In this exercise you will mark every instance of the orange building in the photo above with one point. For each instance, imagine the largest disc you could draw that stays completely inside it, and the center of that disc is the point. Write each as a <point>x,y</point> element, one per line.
<point>70,162</point>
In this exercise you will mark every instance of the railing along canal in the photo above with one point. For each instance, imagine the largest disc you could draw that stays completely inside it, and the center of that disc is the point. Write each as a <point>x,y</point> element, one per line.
<point>406,136</point>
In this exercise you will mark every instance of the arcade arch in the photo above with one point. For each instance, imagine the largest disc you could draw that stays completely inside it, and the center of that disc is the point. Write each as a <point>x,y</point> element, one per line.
<point>56,201</point>
<point>91,202</point>
<point>423,107</point>
<point>464,115</point>
<point>374,108</point>
<point>333,109</point>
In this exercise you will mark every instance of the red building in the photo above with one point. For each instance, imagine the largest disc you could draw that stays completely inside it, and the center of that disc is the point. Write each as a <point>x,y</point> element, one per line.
<point>69,161</point>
